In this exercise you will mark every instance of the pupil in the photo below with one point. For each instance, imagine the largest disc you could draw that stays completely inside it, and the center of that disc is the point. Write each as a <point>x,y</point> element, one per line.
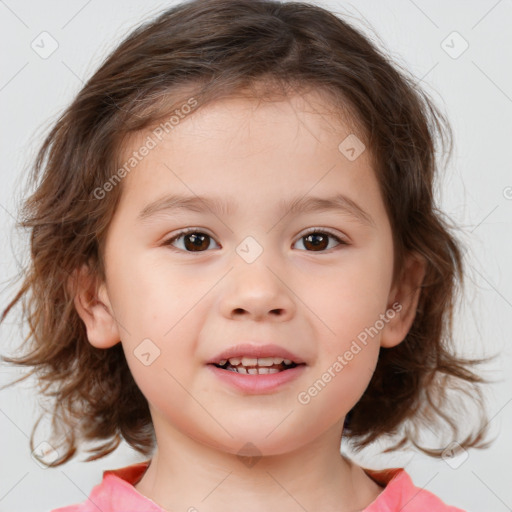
<point>197,241</point>
<point>317,241</point>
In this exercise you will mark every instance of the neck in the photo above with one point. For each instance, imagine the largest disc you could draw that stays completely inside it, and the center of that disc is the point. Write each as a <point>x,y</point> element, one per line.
<point>184,474</point>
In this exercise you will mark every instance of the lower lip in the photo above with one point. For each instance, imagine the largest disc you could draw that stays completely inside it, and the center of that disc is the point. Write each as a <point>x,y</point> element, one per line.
<point>263,383</point>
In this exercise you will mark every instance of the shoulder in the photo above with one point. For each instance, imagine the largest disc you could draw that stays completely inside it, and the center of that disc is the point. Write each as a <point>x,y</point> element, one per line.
<point>400,493</point>
<point>116,492</point>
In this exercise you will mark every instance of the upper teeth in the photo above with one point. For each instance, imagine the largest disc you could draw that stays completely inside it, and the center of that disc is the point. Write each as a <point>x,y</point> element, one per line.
<point>253,361</point>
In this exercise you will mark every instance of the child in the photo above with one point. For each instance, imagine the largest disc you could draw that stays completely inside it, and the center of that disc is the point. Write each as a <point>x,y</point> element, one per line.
<point>237,259</point>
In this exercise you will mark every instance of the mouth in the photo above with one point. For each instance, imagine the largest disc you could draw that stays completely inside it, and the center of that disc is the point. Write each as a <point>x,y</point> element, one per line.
<point>256,366</point>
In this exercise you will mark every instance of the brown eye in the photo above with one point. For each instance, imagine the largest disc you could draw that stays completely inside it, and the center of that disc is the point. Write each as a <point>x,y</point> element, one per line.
<point>191,241</point>
<point>318,241</point>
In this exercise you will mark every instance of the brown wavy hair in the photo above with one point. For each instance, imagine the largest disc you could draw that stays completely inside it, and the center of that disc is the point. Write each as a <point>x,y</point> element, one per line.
<point>212,49</point>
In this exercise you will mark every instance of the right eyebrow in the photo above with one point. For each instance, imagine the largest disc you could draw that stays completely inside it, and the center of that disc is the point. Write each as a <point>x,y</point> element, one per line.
<point>181,202</point>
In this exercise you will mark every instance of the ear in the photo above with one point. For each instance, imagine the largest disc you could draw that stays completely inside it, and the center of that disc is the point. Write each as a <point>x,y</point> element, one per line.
<point>93,306</point>
<point>403,301</point>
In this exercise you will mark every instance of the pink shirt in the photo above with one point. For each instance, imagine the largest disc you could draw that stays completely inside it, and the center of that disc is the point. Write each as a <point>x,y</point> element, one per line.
<point>116,493</point>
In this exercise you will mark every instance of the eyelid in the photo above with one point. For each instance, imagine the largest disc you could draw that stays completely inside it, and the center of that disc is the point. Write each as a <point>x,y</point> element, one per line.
<point>185,231</point>
<point>319,229</point>
<point>340,238</point>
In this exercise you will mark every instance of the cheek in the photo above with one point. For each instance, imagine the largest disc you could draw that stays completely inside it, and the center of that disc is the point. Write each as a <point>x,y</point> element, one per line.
<point>351,296</point>
<point>155,312</point>
<point>337,384</point>
<point>150,296</point>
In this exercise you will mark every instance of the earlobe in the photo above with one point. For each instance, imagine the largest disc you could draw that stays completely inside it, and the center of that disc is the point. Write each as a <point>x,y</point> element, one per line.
<point>403,301</point>
<point>93,306</point>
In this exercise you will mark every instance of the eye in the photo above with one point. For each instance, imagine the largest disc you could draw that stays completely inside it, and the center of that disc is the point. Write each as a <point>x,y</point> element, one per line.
<point>317,240</point>
<point>193,240</point>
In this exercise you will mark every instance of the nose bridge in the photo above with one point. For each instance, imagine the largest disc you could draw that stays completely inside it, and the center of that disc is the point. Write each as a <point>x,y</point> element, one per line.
<point>256,289</point>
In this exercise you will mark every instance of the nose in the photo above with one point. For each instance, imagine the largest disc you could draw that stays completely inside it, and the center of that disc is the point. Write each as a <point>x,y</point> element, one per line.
<point>256,292</point>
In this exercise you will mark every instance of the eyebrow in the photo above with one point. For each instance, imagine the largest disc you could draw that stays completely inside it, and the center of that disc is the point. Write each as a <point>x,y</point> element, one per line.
<point>305,204</point>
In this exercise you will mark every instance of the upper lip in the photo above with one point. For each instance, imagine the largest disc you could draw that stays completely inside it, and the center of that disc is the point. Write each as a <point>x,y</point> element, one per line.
<point>255,350</point>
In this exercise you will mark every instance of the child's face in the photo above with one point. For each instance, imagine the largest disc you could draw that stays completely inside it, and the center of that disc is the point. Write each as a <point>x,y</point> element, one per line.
<point>312,300</point>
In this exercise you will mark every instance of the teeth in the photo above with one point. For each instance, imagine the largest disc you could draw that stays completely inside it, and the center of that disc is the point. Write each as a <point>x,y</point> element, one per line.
<point>253,371</point>
<point>254,365</point>
<point>253,361</point>
<point>265,361</point>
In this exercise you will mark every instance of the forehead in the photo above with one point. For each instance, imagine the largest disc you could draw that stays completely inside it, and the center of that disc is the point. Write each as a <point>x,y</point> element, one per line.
<point>314,111</point>
<point>251,150</point>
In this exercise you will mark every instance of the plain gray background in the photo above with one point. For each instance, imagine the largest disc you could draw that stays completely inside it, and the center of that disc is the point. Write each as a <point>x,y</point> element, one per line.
<point>472,85</point>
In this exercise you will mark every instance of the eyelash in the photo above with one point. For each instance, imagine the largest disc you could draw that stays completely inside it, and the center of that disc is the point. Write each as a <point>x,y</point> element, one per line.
<point>188,231</point>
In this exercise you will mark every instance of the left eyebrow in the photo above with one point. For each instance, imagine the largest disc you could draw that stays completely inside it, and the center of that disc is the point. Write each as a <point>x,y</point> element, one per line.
<point>338,202</point>
<point>305,204</point>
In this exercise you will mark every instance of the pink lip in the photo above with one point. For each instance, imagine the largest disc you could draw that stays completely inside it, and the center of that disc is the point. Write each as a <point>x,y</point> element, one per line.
<point>257,384</point>
<point>253,350</point>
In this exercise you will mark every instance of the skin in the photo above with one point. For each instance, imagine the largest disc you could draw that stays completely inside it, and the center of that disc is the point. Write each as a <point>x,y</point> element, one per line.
<point>194,305</point>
